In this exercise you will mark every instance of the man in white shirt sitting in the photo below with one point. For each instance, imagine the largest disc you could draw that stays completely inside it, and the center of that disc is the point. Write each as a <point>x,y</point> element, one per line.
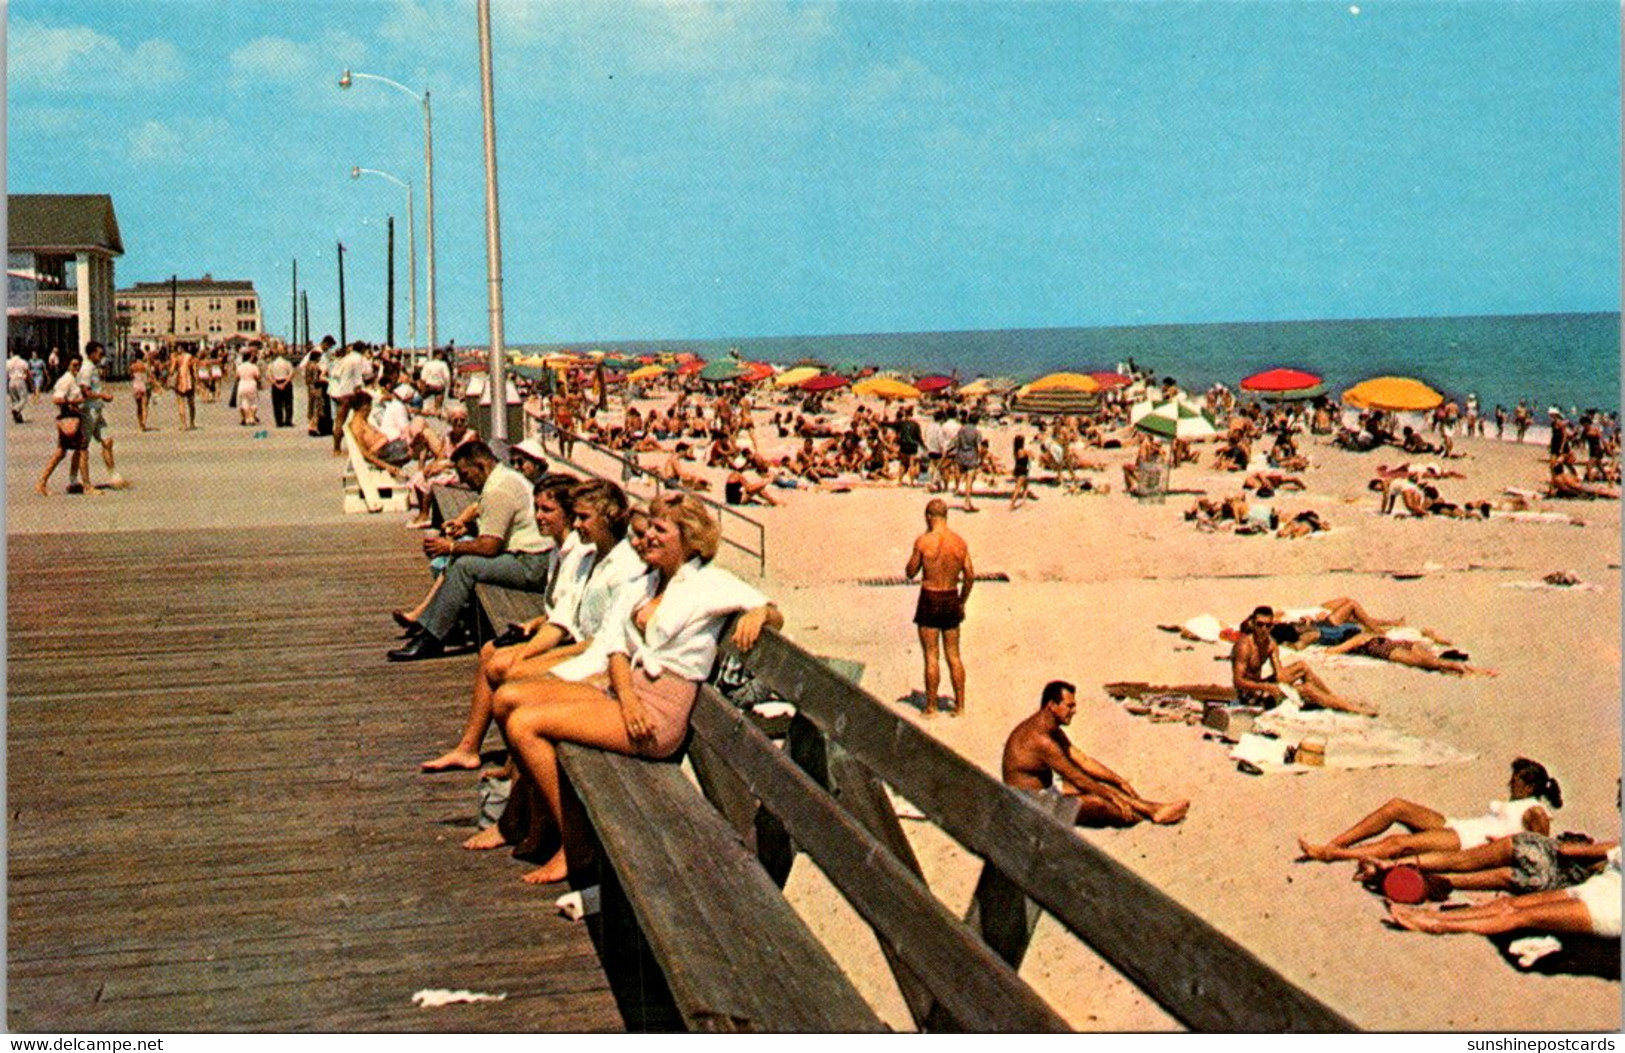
<point>509,550</point>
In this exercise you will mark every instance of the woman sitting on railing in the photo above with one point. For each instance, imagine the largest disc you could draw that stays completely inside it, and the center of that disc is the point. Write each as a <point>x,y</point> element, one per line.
<point>632,690</point>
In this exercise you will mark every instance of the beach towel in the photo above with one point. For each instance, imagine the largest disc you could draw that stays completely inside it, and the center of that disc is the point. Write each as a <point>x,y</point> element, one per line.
<point>1579,586</point>
<point>1351,742</point>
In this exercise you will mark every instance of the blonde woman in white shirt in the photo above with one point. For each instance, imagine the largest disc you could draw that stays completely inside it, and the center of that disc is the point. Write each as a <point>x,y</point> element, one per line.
<point>632,690</point>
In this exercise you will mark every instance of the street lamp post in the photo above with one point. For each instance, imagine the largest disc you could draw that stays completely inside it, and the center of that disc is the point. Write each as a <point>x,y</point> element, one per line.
<point>349,78</point>
<point>411,248</point>
<point>493,235</point>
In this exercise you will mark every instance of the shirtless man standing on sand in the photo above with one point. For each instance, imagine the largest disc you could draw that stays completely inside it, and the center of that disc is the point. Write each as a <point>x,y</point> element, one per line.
<point>944,587</point>
<point>1038,750</point>
<point>1255,647</point>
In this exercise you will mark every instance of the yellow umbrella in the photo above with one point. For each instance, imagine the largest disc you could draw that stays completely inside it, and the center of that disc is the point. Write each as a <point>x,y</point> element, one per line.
<point>645,373</point>
<point>1392,393</point>
<point>1062,382</point>
<point>791,377</point>
<point>885,388</point>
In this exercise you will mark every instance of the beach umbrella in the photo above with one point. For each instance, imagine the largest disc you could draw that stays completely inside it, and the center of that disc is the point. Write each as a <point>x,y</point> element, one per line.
<point>976,388</point>
<point>465,368</point>
<point>722,369</point>
<point>1080,382</point>
<point>528,370</point>
<point>1392,393</point>
<point>755,372</point>
<point>793,377</point>
<point>618,361</point>
<point>1173,419</point>
<point>1107,381</point>
<point>692,366</point>
<point>885,388</point>
<point>646,373</point>
<point>824,382</point>
<point>934,383</point>
<point>1285,384</point>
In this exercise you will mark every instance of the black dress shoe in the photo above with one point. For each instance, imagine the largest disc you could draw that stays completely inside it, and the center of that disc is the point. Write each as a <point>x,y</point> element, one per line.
<point>425,646</point>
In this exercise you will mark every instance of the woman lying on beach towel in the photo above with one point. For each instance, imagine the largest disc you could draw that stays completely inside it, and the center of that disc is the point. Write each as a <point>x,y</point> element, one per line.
<point>1413,653</point>
<point>1523,863</point>
<point>1591,908</point>
<point>633,689</point>
<point>1529,788</point>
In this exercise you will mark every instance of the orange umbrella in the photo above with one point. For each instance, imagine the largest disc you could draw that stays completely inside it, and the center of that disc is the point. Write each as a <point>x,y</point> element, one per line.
<point>1062,382</point>
<point>1392,393</point>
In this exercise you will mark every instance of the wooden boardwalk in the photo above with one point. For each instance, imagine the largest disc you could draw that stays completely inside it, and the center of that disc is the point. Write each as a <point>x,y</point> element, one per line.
<point>215,818</point>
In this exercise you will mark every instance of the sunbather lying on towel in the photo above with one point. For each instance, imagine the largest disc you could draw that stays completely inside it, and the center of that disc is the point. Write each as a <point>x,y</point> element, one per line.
<point>1255,648</point>
<point>1529,788</point>
<point>1523,863</point>
<point>1591,908</point>
<point>1038,751</point>
<point>1413,653</point>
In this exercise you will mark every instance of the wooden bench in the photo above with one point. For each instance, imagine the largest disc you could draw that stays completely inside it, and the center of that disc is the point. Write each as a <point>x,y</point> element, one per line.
<point>368,488</point>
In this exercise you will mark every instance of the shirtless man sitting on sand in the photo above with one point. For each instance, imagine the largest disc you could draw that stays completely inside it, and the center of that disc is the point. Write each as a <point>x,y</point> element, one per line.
<point>1254,648</point>
<point>945,585</point>
<point>1038,750</point>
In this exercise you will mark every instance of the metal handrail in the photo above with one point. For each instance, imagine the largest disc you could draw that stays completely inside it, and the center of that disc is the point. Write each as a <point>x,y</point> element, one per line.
<point>631,470</point>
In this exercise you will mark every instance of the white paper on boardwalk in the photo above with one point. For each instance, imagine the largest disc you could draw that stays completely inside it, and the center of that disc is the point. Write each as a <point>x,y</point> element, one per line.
<point>433,998</point>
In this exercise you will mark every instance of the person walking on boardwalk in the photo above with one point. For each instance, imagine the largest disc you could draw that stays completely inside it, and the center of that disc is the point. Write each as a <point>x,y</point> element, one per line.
<point>96,430</point>
<point>183,375</point>
<point>942,559</point>
<point>70,433</point>
<point>280,371</point>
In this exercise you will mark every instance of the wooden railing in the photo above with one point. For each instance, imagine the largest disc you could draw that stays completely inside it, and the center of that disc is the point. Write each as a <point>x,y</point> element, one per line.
<point>826,790</point>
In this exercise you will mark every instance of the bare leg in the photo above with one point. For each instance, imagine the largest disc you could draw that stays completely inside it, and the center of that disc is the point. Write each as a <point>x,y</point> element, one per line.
<point>572,713</point>
<point>1387,847</point>
<point>1408,814</point>
<point>56,459</point>
<point>933,671</point>
<point>1344,608</point>
<point>956,668</point>
<point>465,756</point>
<point>1541,911</point>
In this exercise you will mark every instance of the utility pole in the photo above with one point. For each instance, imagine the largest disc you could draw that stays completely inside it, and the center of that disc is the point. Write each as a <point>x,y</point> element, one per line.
<point>293,316</point>
<point>344,336</point>
<point>389,327</point>
<point>304,307</point>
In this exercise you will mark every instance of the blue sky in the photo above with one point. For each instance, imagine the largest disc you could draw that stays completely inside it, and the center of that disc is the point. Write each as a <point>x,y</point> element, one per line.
<point>749,168</point>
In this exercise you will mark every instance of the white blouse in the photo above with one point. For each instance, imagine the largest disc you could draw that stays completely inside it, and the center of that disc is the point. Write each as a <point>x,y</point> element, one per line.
<point>683,635</point>
<point>586,586</point>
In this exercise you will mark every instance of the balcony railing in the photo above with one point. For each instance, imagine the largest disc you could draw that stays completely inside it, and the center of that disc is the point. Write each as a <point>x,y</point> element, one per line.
<point>68,298</point>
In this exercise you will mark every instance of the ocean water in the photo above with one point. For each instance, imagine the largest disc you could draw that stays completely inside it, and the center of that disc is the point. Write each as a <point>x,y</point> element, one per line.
<point>1561,359</point>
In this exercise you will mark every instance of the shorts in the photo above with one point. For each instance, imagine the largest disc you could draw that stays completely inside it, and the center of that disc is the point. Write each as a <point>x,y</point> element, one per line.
<point>939,609</point>
<point>667,702</point>
<point>95,428</point>
<point>1380,647</point>
<point>1537,865</point>
<point>394,452</point>
<point>76,441</point>
<point>1601,897</point>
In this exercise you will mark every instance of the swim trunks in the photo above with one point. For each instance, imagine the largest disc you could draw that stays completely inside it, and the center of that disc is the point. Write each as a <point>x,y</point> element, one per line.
<point>394,452</point>
<point>939,609</point>
<point>1380,647</point>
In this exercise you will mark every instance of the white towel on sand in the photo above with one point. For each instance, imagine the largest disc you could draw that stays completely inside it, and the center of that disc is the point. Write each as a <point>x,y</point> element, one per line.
<point>1351,742</point>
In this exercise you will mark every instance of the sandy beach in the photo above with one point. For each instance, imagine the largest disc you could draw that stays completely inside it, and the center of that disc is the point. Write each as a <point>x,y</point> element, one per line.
<point>1091,579</point>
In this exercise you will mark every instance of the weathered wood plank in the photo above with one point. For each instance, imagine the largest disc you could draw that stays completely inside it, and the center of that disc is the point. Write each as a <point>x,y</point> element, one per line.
<point>734,953</point>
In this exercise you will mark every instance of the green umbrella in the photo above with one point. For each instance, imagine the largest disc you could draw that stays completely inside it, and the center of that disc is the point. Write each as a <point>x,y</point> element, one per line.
<point>1174,419</point>
<point>848,369</point>
<point>723,369</point>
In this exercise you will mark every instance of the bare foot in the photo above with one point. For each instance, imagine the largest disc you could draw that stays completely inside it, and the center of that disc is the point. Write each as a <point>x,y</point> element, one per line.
<point>930,710</point>
<point>1416,919</point>
<point>39,488</point>
<point>1318,853</point>
<point>487,839</point>
<point>554,870</point>
<point>454,760</point>
<point>1170,813</point>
